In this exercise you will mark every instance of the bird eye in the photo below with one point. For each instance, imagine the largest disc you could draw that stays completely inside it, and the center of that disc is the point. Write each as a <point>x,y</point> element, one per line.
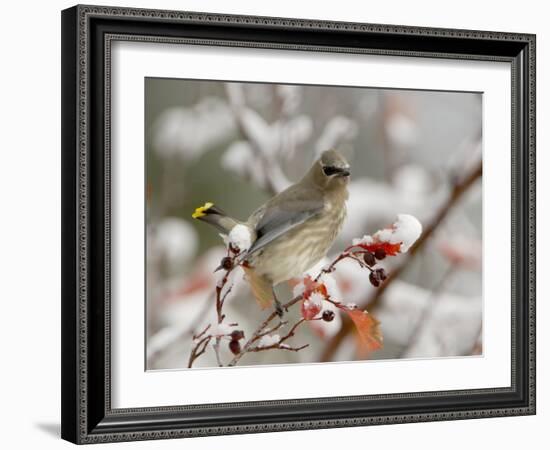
<point>331,170</point>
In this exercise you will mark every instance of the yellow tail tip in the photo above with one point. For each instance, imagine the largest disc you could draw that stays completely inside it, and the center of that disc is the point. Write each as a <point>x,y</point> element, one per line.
<point>199,212</point>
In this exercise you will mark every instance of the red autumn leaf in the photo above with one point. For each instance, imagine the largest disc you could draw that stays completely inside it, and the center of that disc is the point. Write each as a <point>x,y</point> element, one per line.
<point>368,328</point>
<point>390,249</point>
<point>311,286</point>
<point>322,289</point>
<point>309,309</point>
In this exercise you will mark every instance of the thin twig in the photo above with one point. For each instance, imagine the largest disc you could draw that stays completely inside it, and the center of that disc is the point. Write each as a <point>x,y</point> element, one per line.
<point>198,350</point>
<point>271,330</point>
<point>280,344</point>
<point>278,347</point>
<point>261,329</point>
<point>332,267</point>
<point>202,333</point>
<point>220,297</point>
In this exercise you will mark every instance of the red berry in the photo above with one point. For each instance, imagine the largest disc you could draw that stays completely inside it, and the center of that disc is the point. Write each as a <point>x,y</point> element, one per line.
<point>369,259</point>
<point>237,335</point>
<point>374,279</point>
<point>227,263</point>
<point>380,253</point>
<point>328,315</point>
<point>235,347</point>
<point>381,273</point>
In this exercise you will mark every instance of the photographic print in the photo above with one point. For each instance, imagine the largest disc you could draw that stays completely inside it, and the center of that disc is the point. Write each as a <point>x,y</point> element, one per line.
<point>347,207</point>
<point>310,224</point>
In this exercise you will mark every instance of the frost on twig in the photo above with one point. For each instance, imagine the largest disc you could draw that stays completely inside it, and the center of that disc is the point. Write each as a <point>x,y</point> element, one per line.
<point>318,297</point>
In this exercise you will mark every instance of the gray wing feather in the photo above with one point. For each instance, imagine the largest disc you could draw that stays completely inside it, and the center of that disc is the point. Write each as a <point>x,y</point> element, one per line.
<point>284,216</point>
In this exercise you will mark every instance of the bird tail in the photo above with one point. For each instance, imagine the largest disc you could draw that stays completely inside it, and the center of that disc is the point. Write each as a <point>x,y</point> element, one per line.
<point>261,288</point>
<point>214,216</point>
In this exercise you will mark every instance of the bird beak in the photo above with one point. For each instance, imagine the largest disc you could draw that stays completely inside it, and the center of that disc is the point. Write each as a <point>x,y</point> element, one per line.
<point>344,173</point>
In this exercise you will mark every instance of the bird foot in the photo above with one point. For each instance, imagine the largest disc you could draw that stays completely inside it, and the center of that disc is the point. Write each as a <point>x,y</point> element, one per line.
<point>279,309</point>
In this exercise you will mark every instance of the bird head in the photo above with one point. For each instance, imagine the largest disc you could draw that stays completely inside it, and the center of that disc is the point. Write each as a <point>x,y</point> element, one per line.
<point>330,171</point>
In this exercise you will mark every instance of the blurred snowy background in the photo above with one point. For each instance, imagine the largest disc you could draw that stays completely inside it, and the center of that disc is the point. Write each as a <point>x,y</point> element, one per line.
<point>236,144</point>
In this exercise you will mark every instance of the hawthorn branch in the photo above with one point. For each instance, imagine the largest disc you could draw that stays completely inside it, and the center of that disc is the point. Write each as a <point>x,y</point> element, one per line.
<point>459,188</point>
<point>262,329</point>
<point>204,340</point>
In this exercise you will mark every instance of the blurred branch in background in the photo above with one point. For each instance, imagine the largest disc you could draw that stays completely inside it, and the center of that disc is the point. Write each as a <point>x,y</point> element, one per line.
<point>420,323</point>
<point>261,145</point>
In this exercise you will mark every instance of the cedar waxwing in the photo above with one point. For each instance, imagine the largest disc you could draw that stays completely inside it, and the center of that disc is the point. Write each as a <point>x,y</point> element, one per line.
<point>292,231</point>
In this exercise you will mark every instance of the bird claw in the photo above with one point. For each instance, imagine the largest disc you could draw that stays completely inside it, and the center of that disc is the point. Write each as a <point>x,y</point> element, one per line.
<point>279,310</point>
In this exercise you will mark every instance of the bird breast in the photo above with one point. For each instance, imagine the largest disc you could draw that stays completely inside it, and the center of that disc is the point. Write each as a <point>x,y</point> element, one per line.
<point>298,250</point>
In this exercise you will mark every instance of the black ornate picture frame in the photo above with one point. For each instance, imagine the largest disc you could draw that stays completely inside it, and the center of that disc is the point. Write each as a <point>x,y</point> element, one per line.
<point>87,35</point>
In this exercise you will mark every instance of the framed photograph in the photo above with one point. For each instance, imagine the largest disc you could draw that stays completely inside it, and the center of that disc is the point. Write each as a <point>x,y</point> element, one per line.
<point>280,224</point>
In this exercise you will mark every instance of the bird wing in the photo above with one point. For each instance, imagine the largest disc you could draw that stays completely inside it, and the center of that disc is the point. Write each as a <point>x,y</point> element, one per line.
<point>283,213</point>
